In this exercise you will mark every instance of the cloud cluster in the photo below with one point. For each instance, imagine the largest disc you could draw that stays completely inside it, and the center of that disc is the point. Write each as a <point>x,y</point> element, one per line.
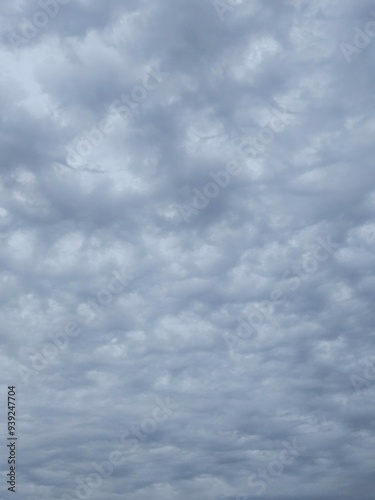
<point>213,190</point>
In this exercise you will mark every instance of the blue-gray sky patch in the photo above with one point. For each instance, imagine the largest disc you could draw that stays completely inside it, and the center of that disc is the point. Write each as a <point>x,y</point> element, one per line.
<point>187,212</point>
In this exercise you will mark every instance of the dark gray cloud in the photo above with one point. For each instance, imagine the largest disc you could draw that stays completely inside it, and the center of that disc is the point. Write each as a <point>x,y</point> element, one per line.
<point>187,248</point>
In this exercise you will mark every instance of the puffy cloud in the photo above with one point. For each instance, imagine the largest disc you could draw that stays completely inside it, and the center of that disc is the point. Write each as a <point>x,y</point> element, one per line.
<point>187,202</point>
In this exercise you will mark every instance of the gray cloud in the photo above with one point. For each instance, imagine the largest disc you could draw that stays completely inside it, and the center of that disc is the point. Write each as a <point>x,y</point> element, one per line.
<point>301,368</point>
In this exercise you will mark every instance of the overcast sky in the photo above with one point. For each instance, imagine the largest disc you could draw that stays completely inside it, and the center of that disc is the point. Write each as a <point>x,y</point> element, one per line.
<point>187,253</point>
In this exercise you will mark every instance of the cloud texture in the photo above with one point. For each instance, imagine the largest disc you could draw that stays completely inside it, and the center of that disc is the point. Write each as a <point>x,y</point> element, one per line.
<point>187,213</point>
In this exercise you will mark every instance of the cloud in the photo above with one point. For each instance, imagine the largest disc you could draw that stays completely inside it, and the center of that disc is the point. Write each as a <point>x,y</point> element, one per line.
<point>305,372</point>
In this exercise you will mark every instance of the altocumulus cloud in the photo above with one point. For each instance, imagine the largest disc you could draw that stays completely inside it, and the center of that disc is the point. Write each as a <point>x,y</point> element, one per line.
<point>287,413</point>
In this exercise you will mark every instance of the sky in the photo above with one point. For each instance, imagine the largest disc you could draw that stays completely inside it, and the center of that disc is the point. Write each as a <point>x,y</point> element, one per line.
<point>187,248</point>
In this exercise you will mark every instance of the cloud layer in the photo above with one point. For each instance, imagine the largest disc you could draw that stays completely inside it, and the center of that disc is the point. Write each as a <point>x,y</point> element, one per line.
<point>187,213</point>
